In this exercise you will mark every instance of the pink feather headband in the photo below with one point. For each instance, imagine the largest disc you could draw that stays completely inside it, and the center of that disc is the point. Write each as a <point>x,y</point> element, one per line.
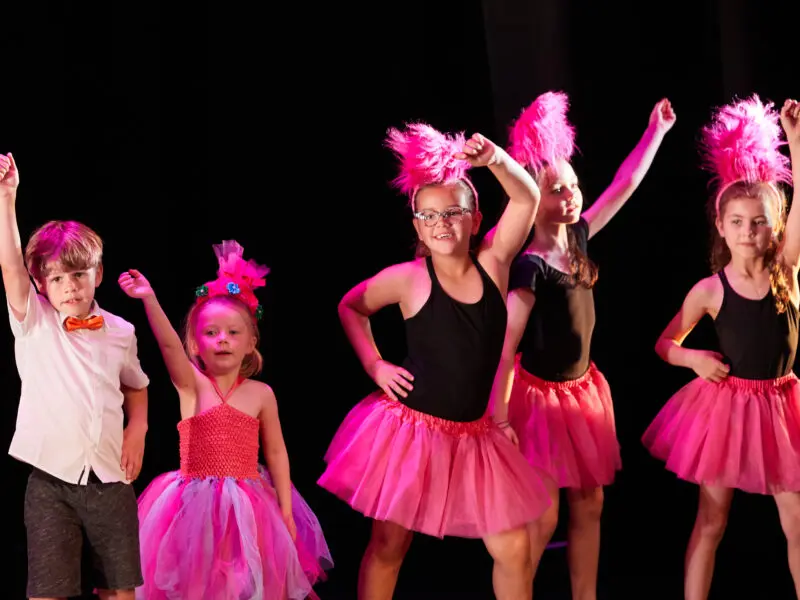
<point>236,277</point>
<point>427,158</point>
<point>742,144</point>
<point>542,134</point>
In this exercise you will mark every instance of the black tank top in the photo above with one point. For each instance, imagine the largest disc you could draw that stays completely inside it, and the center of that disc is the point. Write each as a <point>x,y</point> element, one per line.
<point>557,339</point>
<point>454,350</point>
<point>756,341</point>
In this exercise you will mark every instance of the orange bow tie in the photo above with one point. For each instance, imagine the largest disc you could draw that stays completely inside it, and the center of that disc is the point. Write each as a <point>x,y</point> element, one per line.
<point>71,323</point>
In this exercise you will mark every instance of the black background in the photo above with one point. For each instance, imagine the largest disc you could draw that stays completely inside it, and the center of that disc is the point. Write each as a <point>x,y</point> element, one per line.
<point>169,128</point>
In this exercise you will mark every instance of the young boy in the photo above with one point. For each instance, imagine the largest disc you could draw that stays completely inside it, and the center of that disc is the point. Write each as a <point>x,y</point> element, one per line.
<point>79,366</point>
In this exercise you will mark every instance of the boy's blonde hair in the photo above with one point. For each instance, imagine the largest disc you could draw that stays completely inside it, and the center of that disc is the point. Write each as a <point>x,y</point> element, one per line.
<point>73,244</point>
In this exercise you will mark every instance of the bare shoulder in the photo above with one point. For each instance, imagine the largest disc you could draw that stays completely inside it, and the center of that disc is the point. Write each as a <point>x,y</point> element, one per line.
<point>389,284</point>
<point>406,284</point>
<point>706,295</point>
<point>416,269</point>
<point>708,287</point>
<point>259,400</point>
<point>261,390</point>
<point>402,273</point>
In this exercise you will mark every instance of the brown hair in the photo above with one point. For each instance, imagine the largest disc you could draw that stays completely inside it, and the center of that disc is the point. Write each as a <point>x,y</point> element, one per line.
<point>721,254</point>
<point>421,249</point>
<point>252,363</point>
<point>73,244</point>
<point>583,270</point>
<point>581,267</point>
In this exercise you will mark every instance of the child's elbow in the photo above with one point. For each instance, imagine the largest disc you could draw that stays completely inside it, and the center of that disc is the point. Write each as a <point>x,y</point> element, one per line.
<point>662,347</point>
<point>343,307</point>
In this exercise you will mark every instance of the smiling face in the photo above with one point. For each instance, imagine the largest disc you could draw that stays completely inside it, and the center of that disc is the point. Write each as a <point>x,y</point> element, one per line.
<point>446,218</point>
<point>562,200</point>
<point>222,336</point>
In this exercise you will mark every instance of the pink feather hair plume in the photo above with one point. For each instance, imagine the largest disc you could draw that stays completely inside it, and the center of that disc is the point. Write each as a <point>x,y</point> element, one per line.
<point>542,134</point>
<point>742,143</point>
<point>236,277</point>
<point>427,157</point>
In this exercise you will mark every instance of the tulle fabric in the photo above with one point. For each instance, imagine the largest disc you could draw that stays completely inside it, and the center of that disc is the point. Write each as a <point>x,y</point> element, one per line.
<point>566,429</point>
<point>431,475</point>
<point>225,539</point>
<point>739,433</point>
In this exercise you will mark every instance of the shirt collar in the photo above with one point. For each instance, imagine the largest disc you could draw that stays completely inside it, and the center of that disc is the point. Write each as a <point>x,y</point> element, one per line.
<point>94,311</point>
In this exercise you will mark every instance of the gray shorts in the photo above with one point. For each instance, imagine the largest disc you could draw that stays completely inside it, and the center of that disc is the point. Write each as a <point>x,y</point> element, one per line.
<point>60,516</point>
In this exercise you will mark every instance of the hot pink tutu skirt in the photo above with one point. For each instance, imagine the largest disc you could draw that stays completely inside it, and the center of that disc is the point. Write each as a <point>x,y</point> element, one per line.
<point>431,475</point>
<point>566,429</point>
<point>224,538</point>
<point>740,433</point>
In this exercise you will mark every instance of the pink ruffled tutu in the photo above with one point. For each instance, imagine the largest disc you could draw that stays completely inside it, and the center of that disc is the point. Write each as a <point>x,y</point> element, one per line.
<point>224,538</point>
<point>431,475</point>
<point>566,429</point>
<point>214,529</point>
<point>739,433</point>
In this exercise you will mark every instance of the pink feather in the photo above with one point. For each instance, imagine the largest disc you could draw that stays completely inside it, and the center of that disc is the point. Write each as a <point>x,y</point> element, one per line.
<point>233,266</point>
<point>743,142</point>
<point>543,134</point>
<point>426,156</point>
<point>243,276</point>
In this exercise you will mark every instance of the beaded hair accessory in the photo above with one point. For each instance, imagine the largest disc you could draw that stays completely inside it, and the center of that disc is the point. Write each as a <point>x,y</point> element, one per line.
<point>235,278</point>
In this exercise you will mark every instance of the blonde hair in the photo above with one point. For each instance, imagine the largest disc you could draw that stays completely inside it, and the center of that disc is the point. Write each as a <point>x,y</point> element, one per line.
<point>73,244</point>
<point>252,363</point>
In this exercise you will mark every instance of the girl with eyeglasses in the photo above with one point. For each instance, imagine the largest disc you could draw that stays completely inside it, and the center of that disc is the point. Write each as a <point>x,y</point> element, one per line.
<point>422,454</point>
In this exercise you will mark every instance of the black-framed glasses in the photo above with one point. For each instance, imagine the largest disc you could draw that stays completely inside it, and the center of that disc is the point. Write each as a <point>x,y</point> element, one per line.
<point>431,217</point>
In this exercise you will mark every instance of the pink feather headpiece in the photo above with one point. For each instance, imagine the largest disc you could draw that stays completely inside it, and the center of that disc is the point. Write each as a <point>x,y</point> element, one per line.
<point>742,143</point>
<point>542,134</point>
<point>235,277</point>
<point>427,158</point>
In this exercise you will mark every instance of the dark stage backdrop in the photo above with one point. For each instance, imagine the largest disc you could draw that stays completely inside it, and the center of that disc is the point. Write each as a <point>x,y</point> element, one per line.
<point>170,129</point>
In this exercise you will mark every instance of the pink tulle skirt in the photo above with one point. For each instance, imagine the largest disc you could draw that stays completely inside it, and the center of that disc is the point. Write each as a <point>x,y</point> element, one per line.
<point>225,539</point>
<point>566,429</point>
<point>740,433</point>
<point>431,475</point>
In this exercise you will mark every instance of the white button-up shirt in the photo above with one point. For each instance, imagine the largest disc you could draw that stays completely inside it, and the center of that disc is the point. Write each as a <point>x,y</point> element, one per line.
<point>70,417</point>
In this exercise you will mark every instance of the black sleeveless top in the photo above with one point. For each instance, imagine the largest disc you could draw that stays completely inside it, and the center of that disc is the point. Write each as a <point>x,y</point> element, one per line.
<point>454,350</point>
<point>756,341</point>
<point>557,339</point>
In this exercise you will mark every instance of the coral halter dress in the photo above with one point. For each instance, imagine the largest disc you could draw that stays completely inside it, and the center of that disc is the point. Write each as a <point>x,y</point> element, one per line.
<point>214,529</point>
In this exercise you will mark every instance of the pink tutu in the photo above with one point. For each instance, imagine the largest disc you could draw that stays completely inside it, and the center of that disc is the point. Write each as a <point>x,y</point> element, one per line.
<point>431,475</point>
<point>224,538</point>
<point>566,429</point>
<point>740,433</point>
